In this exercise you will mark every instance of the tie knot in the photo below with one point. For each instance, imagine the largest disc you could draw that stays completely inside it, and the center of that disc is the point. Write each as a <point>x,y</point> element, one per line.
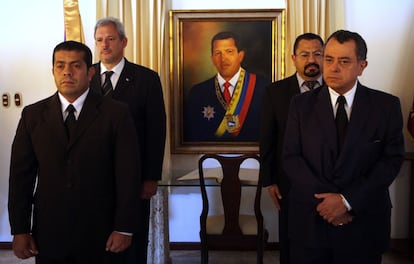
<point>226,85</point>
<point>341,100</point>
<point>311,84</point>
<point>108,74</point>
<point>70,108</point>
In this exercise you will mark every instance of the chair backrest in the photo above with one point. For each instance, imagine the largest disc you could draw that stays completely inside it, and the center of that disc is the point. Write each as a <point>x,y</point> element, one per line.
<point>230,192</point>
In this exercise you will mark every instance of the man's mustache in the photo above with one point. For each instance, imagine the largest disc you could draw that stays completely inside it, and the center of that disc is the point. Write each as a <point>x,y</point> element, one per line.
<point>312,64</point>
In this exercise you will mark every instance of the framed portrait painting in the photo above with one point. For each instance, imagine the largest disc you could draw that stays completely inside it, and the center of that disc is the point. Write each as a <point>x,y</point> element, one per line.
<point>220,63</point>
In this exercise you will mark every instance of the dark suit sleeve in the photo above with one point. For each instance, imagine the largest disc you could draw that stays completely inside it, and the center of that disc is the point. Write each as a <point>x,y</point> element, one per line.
<point>268,140</point>
<point>23,173</point>
<point>296,167</point>
<point>127,174</point>
<point>383,158</point>
<point>155,131</point>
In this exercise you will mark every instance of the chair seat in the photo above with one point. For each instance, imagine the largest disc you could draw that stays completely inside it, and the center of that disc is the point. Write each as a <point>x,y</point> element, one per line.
<point>215,224</point>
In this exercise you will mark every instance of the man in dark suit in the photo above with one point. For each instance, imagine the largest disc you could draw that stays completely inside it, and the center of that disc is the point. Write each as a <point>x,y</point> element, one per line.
<point>227,106</point>
<point>140,88</point>
<point>81,182</point>
<point>307,58</point>
<point>340,170</point>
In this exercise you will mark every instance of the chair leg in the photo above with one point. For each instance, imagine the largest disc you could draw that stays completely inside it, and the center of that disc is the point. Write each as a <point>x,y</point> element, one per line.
<point>260,249</point>
<point>204,254</point>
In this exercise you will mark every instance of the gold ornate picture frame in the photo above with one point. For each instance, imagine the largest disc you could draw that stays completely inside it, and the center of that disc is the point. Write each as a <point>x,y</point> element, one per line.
<point>262,35</point>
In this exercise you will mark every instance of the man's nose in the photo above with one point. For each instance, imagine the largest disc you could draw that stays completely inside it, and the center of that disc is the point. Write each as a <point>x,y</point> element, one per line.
<point>67,72</point>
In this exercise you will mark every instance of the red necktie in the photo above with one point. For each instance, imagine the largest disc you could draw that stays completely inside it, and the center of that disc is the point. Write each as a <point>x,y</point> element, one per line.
<point>226,92</point>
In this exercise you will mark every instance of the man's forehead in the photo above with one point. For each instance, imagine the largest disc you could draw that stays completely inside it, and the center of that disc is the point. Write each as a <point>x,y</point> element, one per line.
<point>309,44</point>
<point>68,56</point>
<point>348,48</point>
<point>68,53</point>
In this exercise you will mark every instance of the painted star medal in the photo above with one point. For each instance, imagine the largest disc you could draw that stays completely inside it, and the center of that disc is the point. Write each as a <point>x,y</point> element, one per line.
<point>208,112</point>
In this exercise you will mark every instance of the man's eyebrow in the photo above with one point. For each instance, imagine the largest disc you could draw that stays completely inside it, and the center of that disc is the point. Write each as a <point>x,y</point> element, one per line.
<point>68,62</point>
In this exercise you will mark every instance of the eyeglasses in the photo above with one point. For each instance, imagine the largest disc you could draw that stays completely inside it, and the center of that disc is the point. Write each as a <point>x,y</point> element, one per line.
<point>307,55</point>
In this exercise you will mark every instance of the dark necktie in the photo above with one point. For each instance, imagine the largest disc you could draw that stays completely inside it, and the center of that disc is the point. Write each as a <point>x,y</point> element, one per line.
<point>107,86</point>
<point>341,120</point>
<point>226,92</point>
<point>311,84</point>
<point>70,121</point>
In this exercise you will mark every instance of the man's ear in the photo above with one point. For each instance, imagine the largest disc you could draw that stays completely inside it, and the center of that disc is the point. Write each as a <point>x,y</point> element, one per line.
<point>363,65</point>
<point>241,55</point>
<point>91,72</point>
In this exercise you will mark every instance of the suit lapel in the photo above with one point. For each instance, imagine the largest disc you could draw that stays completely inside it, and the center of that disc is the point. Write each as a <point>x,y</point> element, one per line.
<point>293,86</point>
<point>54,119</point>
<point>125,80</point>
<point>358,119</point>
<point>88,114</point>
<point>324,111</point>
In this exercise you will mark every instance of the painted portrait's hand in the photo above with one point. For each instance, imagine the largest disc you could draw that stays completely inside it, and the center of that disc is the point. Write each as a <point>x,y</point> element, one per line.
<point>275,195</point>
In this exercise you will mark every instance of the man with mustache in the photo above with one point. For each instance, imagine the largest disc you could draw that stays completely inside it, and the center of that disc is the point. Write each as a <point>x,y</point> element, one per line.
<point>307,57</point>
<point>225,107</point>
<point>140,88</point>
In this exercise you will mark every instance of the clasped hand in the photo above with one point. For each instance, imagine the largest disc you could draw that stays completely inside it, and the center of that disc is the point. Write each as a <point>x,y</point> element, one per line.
<point>332,209</point>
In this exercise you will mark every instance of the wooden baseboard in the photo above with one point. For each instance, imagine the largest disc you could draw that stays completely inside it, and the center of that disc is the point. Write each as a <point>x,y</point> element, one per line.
<point>197,246</point>
<point>403,247</point>
<point>173,245</point>
<point>5,245</point>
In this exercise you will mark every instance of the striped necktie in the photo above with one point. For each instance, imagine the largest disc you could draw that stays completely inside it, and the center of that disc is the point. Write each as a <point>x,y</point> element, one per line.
<point>226,92</point>
<point>107,86</point>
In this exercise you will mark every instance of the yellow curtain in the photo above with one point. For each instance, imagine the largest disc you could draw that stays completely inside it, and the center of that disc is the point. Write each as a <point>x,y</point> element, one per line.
<point>145,25</point>
<point>321,17</point>
<point>73,21</point>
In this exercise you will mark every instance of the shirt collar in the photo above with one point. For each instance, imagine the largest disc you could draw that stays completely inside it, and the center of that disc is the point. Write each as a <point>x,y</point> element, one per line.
<point>117,69</point>
<point>232,81</point>
<point>349,96</point>
<point>77,104</point>
<point>304,88</point>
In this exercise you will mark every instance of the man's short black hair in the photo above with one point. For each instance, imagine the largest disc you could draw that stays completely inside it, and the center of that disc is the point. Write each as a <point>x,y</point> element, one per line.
<point>74,45</point>
<point>344,36</point>
<point>306,36</point>
<point>227,35</point>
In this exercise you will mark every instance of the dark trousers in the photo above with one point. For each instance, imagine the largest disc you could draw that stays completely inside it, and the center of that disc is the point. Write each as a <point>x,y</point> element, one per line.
<point>301,254</point>
<point>102,258</point>
<point>137,252</point>
<point>283,233</point>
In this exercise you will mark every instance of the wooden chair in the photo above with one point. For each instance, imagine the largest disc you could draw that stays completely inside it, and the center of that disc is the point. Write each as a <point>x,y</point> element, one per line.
<point>231,231</point>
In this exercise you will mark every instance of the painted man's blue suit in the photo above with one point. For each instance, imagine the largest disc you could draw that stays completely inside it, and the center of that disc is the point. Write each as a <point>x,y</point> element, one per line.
<point>203,113</point>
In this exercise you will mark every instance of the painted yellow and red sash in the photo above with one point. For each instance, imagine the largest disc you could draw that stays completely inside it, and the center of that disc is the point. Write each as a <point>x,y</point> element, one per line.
<point>239,105</point>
